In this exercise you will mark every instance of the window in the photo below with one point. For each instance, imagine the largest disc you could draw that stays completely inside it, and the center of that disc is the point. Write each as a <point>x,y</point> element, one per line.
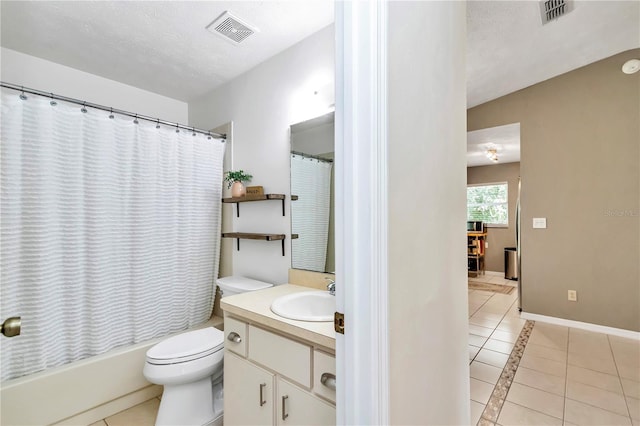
<point>488,203</point>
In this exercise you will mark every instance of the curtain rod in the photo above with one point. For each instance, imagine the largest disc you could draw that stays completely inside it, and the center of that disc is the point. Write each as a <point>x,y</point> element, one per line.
<point>111,110</point>
<point>315,157</point>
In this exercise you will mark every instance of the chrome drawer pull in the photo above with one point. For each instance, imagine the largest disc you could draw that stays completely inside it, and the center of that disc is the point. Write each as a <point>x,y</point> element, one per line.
<point>234,337</point>
<point>262,401</point>
<point>329,380</point>
<point>284,407</point>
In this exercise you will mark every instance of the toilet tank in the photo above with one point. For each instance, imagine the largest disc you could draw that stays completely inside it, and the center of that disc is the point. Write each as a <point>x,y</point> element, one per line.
<point>236,285</point>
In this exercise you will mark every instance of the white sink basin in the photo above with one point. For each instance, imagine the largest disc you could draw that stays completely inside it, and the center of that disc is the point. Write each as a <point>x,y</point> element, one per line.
<point>315,306</point>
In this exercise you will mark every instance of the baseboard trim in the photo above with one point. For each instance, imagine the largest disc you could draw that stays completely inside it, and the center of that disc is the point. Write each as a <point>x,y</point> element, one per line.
<point>629,334</point>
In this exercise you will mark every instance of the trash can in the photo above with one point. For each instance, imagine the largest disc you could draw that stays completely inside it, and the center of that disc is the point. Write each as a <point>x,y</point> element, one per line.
<point>510,263</point>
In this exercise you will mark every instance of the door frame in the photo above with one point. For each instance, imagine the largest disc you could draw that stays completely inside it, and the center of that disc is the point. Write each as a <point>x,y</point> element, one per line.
<point>362,353</point>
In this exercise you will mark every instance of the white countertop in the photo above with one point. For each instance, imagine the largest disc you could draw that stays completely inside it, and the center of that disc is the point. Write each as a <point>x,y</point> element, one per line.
<point>255,306</point>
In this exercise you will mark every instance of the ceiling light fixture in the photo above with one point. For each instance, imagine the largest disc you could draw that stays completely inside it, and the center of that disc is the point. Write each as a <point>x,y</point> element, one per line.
<point>631,66</point>
<point>492,154</point>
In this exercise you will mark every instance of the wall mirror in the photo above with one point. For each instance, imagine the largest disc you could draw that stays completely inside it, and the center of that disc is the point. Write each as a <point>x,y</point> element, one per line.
<point>312,194</point>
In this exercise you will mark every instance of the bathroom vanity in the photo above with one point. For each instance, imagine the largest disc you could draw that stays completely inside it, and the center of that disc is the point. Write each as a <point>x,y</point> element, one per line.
<point>277,371</point>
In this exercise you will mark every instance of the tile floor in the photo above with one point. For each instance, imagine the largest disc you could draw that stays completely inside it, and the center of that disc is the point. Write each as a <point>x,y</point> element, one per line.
<point>140,415</point>
<point>566,376</point>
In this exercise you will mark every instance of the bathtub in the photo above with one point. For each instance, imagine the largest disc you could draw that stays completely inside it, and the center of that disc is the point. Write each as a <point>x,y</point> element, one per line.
<point>84,391</point>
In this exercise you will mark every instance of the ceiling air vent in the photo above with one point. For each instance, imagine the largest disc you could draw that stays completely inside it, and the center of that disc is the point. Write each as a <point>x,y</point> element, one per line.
<point>553,9</point>
<point>231,28</point>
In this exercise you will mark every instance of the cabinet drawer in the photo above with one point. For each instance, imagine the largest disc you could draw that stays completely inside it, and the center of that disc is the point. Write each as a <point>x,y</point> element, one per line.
<point>287,357</point>
<point>240,328</point>
<point>324,364</point>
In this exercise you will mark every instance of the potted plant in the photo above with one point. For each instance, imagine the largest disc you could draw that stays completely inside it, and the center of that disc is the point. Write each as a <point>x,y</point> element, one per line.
<point>234,182</point>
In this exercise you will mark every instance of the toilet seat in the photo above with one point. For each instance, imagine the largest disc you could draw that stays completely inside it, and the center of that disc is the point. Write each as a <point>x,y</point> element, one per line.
<point>186,347</point>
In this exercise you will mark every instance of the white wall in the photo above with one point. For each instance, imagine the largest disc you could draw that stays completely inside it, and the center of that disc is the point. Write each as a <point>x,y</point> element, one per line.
<point>429,366</point>
<point>30,71</point>
<point>263,103</point>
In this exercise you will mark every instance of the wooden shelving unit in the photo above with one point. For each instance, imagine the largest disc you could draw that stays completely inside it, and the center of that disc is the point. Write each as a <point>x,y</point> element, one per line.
<point>265,197</point>
<point>475,252</point>
<point>254,236</point>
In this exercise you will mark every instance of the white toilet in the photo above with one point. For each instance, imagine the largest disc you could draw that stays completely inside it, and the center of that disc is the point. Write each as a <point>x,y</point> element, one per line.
<point>189,366</point>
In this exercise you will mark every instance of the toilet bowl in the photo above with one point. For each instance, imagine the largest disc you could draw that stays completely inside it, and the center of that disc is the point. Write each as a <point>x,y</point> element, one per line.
<point>189,365</point>
<point>185,364</point>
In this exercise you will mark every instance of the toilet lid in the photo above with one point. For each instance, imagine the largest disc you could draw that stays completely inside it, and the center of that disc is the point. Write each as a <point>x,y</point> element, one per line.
<point>186,346</point>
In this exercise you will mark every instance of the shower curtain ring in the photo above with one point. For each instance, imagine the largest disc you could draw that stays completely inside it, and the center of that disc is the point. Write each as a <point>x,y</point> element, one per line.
<point>111,116</point>
<point>209,136</point>
<point>193,129</point>
<point>84,108</point>
<point>22,95</point>
<point>177,130</point>
<point>158,124</point>
<point>53,101</point>
<point>135,120</point>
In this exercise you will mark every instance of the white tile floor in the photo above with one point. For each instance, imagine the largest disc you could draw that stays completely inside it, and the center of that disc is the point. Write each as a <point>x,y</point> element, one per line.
<point>140,415</point>
<point>566,376</point>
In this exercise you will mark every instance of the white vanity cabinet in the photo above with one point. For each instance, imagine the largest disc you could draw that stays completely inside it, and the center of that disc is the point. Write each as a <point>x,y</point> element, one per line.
<point>298,407</point>
<point>272,379</point>
<point>248,393</point>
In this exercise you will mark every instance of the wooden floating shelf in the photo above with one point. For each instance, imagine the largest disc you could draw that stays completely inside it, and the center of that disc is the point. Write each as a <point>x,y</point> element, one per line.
<point>254,198</point>
<point>264,197</point>
<point>254,236</point>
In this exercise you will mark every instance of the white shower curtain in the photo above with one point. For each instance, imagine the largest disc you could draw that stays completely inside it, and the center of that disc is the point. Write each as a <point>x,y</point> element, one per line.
<point>110,231</point>
<point>311,182</point>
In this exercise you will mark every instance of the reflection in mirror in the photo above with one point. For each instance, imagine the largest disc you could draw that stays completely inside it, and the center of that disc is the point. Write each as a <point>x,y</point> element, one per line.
<point>312,218</point>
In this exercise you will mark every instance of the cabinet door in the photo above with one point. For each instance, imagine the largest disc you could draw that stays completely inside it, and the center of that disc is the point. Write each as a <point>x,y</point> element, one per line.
<point>248,393</point>
<point>296,406</point>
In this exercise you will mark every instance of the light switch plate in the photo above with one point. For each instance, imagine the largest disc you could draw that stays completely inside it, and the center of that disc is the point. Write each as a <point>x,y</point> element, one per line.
<point>539,222</point>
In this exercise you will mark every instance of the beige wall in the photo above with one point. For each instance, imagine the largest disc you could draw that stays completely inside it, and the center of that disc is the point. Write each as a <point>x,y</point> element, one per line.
<point>580,168</point>
<point>498,238</point>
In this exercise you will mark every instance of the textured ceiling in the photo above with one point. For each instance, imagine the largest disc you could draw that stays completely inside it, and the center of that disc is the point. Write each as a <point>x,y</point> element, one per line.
<point>163,47</point>
<point>505,139</point>
<point>509,49</point>
<point>160,46</point>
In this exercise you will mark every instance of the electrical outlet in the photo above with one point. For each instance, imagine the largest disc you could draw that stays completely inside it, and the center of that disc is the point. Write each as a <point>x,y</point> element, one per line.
<point>572,295</point>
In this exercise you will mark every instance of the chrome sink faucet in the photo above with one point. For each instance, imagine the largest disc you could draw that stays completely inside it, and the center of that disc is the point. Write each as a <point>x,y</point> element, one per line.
<point>331,286</point>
